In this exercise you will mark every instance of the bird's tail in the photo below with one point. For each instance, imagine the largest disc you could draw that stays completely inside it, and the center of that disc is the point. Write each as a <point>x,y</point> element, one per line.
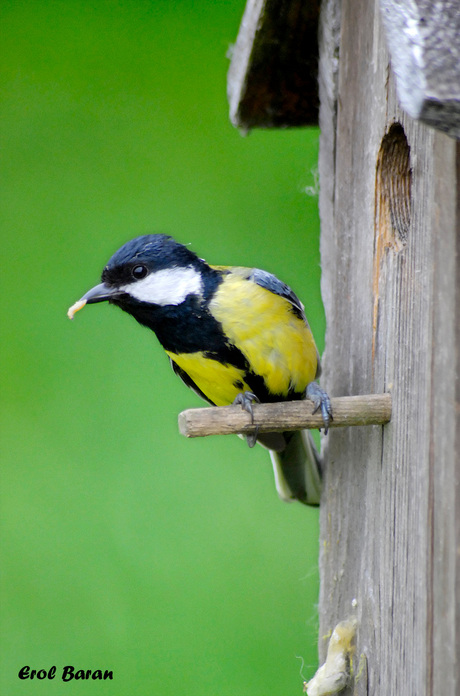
<point>297,469</point>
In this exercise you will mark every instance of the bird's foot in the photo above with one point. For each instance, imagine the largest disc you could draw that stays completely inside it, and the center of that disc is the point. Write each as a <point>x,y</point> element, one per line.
<point>320,401</point>
<point>246,399</point>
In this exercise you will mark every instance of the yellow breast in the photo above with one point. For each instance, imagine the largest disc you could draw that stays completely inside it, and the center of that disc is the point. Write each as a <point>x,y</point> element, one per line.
<point>277,344</point>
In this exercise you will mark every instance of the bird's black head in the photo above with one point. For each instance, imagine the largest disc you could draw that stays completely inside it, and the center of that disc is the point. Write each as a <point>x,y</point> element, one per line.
<point>144,256</point>
<point>152,270</point>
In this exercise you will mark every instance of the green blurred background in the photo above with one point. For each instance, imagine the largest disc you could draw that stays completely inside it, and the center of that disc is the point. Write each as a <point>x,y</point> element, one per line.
<point>125,546</point>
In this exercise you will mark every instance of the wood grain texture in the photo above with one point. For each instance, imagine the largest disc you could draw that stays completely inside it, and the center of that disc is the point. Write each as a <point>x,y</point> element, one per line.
<point>390,525</point>
<point>348,411</point>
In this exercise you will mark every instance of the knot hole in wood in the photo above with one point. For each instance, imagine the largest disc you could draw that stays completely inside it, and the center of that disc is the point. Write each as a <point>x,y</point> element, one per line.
<point>393,180</point>
<point>393,189</point>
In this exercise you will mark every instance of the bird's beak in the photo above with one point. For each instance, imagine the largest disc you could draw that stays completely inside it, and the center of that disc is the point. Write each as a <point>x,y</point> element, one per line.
<point>99,293</point>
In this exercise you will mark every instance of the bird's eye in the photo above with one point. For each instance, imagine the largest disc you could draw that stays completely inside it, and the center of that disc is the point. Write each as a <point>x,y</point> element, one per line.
<point>139,272</point>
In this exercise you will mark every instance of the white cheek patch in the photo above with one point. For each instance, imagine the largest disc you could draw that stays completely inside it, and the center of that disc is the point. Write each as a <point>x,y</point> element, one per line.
<point>169,286</point>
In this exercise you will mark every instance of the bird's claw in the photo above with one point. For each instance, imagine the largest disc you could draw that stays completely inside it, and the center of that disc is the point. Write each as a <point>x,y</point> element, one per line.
<point>320,401</point>
<point>246,399</point>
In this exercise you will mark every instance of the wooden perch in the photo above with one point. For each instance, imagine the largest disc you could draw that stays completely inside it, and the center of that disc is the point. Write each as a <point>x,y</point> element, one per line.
<point>371,409</point>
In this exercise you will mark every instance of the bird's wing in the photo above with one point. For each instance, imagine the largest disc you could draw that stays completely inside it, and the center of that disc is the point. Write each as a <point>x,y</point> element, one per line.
<point>271,282</point>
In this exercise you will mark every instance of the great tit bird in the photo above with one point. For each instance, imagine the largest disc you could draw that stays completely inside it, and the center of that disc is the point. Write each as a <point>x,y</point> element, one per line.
<point>232,334</point>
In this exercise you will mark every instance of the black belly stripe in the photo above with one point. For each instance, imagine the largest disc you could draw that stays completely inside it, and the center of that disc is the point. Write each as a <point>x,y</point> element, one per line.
<point>257,385</point>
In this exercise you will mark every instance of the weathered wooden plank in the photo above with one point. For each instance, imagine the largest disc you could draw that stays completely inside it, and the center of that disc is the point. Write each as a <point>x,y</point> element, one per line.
<point>272,80</point>
<point>389,513</point>
<point>444,461</point>
<point>424,42</point>
<point>456,358</point>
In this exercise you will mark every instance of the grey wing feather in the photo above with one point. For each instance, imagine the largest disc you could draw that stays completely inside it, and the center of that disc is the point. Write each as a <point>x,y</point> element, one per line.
<point>271,282</point>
